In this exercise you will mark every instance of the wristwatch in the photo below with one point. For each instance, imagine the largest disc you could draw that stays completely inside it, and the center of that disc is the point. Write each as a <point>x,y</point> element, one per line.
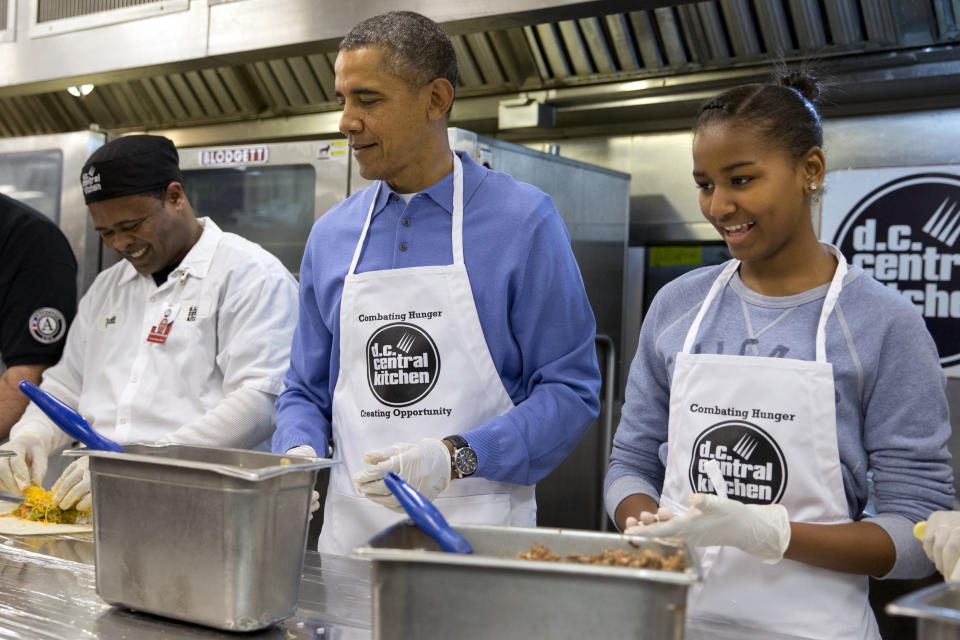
<point>464,459</point>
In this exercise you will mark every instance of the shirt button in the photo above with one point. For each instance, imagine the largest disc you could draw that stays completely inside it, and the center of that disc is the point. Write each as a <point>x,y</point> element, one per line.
<point>153,298</point>
<point>403,246</point>
<point>406,222</point>
<point>123,421</point>
<point>393,197</point>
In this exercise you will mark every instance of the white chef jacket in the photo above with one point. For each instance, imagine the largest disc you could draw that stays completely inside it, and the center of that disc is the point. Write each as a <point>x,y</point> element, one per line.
<point>233,307</point>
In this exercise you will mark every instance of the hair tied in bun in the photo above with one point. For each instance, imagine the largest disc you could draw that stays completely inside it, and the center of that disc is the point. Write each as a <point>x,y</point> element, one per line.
<point>803,82</point>
<point>783,111</point>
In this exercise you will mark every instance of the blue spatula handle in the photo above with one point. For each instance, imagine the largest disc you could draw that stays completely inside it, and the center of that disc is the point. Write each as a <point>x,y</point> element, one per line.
<point>67,419</point>
<point>426,516</point>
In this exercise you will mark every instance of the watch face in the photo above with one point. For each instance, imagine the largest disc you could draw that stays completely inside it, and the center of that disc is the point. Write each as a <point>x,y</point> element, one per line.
<point>466,461</point>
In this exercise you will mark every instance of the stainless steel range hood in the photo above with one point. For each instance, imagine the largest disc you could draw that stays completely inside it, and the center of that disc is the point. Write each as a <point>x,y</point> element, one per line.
<point>266,65</point>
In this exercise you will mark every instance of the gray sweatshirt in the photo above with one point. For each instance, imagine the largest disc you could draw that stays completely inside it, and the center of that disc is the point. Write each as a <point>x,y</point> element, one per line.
<point>892,416</point>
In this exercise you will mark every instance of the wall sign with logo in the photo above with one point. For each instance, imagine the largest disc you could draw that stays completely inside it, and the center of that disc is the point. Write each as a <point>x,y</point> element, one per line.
<point>902,226</point>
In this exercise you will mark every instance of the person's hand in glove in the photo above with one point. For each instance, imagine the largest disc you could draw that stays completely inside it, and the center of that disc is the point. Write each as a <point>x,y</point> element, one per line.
<point>941,543</point>
<point>760,530</point>
<point>72,489</point>
<point>27,467</point>
<point>304,450</point>
<point>308,452</point>
<point>425,466</point>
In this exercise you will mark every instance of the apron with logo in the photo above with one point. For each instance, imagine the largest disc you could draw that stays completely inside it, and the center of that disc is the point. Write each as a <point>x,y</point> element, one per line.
<point>771,425</point>
<point>413,364</point>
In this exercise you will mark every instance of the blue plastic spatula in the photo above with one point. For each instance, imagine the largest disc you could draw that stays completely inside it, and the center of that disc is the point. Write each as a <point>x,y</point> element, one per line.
<point>426,516</point>
<point>67,419</point>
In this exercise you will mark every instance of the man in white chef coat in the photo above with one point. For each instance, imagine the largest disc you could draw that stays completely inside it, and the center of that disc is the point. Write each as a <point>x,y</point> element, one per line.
<point>184,341</point>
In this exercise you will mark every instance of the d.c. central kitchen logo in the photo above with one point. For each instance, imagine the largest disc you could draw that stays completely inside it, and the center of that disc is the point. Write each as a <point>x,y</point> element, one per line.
<point>402,364</point>
<point>750,460</point>
<point>906,234</point>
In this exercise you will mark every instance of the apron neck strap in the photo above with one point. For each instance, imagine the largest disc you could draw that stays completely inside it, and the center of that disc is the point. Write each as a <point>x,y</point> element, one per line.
<point>457,227</point>
<point>366,227</point>
<point>457,222</point>
<point>718,284</point>
<point>833,293</point>
<point>829,302</point>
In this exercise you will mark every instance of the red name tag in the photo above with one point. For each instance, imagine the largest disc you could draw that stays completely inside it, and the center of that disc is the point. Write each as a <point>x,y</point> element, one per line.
<point>159,332</point>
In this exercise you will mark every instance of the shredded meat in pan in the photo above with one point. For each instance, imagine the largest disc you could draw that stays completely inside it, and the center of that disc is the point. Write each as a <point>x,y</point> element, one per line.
<point>645,559</point>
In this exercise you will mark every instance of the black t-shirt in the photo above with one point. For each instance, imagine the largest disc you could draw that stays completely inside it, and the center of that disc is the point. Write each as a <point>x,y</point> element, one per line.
<point>38,286</point>
<point>161,276</point>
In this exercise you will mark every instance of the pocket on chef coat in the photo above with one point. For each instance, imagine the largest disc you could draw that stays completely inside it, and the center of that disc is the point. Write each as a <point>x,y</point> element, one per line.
<point>195,311</point>
<point>195,327</point>
<point>193,333</point>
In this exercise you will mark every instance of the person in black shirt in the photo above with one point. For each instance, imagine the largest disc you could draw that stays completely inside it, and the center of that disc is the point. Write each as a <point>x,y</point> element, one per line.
<point>38,300</point>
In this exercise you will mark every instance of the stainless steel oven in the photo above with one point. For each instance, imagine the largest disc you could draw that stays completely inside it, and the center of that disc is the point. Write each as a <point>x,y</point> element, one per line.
<point>44,172</point>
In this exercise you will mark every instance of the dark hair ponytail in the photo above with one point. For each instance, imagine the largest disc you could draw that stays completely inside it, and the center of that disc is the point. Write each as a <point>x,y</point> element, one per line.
<point>784,112</point>
<point>804,82</point>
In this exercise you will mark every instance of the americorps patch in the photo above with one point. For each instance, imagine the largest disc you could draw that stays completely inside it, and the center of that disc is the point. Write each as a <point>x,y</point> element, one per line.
<point>47,325</point>
<point>403,364</point>
<point>750,460</point>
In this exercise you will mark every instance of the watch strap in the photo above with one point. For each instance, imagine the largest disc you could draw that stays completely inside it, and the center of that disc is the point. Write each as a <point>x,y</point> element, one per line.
<point>458,442</point>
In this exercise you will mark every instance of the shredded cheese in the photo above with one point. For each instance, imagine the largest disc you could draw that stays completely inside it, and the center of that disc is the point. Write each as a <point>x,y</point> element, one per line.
<point>38,505</point>
<point>38,497</point>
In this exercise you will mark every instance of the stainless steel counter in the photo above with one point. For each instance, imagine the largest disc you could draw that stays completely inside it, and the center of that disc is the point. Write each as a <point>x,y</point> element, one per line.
<point>47,591</point>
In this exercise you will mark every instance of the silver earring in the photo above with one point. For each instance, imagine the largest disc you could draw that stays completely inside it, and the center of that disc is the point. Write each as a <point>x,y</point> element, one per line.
<point>813,186</point>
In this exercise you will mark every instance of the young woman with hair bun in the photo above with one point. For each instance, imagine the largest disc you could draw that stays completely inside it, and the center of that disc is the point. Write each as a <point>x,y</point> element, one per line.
<point>814,391</point>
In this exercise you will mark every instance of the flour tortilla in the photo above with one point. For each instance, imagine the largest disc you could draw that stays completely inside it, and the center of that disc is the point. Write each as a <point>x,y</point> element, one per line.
<point>14,526</point>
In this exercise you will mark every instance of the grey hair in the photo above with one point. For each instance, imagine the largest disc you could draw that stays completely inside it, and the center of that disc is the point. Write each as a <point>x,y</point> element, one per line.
<point>415,47</point>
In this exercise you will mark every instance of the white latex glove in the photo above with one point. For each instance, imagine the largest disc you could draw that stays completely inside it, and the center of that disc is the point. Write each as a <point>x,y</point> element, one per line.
<point>72,489</point>
<point>308,452</point>
<point>662,515</point>
<point>425,466</point>
<point>303,450</point>
<point>941,543</point>
<point>760,530</point>
<point>27,467</point>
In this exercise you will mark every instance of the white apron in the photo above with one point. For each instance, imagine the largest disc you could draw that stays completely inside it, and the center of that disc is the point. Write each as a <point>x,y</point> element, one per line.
<point>771,424</point>
<point>413,364</point>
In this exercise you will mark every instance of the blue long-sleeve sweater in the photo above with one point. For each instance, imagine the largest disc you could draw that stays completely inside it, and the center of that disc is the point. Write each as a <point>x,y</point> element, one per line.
<point>530,300</point>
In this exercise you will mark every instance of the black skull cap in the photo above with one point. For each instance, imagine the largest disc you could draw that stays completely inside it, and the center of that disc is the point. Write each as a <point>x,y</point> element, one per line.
<point>129,166</point>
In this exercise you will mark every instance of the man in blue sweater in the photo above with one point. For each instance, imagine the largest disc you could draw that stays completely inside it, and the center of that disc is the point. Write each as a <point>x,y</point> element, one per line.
<point>444,330</point>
